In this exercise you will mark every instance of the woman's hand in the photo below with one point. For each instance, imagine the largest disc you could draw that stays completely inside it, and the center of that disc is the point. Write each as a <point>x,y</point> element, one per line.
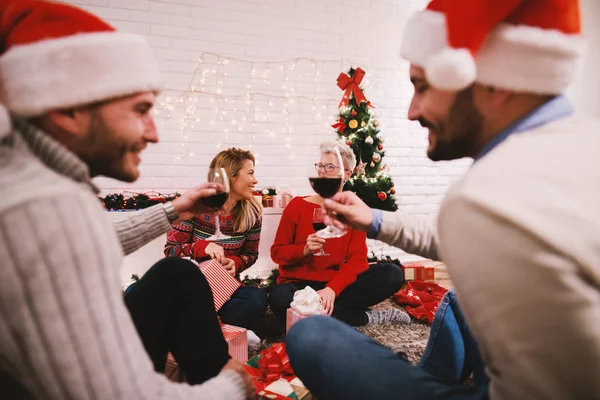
<point>215,251</point>
<point>313,244</point>
<point>327,298</point>
<point>229,265</point>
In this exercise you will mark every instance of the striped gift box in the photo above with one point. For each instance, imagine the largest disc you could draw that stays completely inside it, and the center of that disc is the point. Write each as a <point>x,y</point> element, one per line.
<point>237,341</point>
<point>221,283</point>
<point>292,316</point>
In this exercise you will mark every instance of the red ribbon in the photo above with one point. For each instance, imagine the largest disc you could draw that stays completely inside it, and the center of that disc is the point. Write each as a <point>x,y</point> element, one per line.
<point>340,126</point>
<point>350,85</point>
<point>273,362</point>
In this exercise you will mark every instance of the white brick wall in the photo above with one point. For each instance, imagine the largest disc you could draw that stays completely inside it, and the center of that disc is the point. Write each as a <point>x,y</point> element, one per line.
<point>367,32</point>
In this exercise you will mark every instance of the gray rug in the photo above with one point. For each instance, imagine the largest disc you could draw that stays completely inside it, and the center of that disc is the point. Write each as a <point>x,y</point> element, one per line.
<point>410,339</point>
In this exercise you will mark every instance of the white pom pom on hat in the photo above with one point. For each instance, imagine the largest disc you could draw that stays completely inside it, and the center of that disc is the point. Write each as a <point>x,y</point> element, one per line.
<point>501,43</point>
<point>451,69</point>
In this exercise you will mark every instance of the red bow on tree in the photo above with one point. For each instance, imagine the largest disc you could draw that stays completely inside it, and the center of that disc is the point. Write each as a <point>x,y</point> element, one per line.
<point>340,126</point>
<point>350,85</point>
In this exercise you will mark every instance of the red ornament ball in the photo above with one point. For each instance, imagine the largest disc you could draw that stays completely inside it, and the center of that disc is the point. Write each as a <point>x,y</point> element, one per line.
<point>349,142</point>
<point>393,191</point>
<point>380,147</point>
<point>354,113</point>
<point>382,196</point>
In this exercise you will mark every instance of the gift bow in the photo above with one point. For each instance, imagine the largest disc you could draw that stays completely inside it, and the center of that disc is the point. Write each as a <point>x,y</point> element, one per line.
<point>350,85</point>
<point>339,126</point>
<point>273,362</point>
<point>306,301</point>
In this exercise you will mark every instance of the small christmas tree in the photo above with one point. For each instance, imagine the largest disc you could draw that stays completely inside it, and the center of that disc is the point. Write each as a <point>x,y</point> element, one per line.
<point>358,127</point>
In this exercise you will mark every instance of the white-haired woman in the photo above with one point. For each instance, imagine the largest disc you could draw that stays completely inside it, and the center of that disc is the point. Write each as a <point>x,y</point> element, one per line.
<point>343,279</point>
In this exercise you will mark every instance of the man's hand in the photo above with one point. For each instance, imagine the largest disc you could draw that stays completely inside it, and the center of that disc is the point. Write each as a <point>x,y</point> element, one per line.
<point>229,265</point>
<point>215,251</point>
<point>189,205</point>
<point>348,209</point>
<point>234,365</point>
<point>327,298</point>
<point>313,244</point>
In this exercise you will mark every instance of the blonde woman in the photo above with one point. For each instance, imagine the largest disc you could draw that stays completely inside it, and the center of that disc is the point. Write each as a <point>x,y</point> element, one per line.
<point>241,219</point>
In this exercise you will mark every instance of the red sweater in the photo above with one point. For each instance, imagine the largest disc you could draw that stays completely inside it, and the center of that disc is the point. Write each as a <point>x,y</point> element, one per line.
<point>347,259</point>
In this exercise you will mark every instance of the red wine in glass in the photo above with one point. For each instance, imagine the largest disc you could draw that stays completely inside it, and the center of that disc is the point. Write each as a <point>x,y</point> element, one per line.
<point>326,187</point>
<point>318,226</point>
<point>216,201</point>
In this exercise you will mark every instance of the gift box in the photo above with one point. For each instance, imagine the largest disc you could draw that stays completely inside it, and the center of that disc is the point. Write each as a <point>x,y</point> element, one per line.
<point>221,283</point>
<point>284,389</point>
<point>292,316</point>
<point>237,341</point>
<point>273,377</point>
<point>418,272</point>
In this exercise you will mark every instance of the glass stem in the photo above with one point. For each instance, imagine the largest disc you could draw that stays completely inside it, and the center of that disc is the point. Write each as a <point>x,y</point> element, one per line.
<point>217,225</point>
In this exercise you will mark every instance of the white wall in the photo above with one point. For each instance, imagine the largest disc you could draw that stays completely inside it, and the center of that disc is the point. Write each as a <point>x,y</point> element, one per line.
<point>368,32</point>
<point>585,92</point>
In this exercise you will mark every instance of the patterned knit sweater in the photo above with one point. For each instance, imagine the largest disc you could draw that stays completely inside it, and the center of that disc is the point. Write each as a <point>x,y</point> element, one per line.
<point>65,332</point>
<point>187,240</point>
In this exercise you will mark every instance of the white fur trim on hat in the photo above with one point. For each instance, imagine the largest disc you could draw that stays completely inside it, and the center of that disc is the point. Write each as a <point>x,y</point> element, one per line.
<point>76,70</point>
<point>519,58</point>
<point>451,69</point>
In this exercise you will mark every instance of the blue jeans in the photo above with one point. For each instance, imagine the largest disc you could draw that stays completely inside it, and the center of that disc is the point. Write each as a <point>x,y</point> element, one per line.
<point>337,362</point>
<point>245,308</point>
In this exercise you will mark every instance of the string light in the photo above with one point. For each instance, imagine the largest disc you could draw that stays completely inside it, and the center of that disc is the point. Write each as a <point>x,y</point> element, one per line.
<point>206,104</point>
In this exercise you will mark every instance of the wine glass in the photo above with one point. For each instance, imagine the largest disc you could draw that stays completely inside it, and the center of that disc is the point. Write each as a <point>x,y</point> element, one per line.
<point>217,200</point>
<point>318,224</point>
<point>326,178</point>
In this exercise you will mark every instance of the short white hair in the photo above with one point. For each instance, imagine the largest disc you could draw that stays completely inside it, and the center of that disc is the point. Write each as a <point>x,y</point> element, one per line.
<point>348,157</point>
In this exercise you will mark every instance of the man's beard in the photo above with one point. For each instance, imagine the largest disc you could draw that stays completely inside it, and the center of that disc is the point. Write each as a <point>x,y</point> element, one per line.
<point>105,153</point>
<point>457,135</point>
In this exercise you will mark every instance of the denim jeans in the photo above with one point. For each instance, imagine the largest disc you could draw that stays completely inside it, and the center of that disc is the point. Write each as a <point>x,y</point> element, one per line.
<point>337,362</point>
<point>245,308</point>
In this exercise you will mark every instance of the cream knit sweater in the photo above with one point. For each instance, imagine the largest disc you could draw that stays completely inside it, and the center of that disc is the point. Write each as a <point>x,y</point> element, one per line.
<point>64,330</point>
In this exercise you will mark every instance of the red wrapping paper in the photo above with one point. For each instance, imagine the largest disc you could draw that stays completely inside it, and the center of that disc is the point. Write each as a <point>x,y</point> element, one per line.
<point>421,299</point>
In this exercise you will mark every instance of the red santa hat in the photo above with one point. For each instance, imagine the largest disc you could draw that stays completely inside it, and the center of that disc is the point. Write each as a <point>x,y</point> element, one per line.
<point>55,56</point>
<point>532,46</point>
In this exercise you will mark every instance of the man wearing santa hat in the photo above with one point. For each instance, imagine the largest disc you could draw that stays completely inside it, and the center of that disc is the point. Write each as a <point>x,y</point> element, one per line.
<point>519,233</point>
<point>80,94</point>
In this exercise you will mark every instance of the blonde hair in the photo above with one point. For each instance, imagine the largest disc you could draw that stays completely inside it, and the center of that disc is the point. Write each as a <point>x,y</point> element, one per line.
<point>246,212</point>
<point>348,157</point>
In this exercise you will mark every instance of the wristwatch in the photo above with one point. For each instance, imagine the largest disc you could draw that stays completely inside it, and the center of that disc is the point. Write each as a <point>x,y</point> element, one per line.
<point>172,214</point>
